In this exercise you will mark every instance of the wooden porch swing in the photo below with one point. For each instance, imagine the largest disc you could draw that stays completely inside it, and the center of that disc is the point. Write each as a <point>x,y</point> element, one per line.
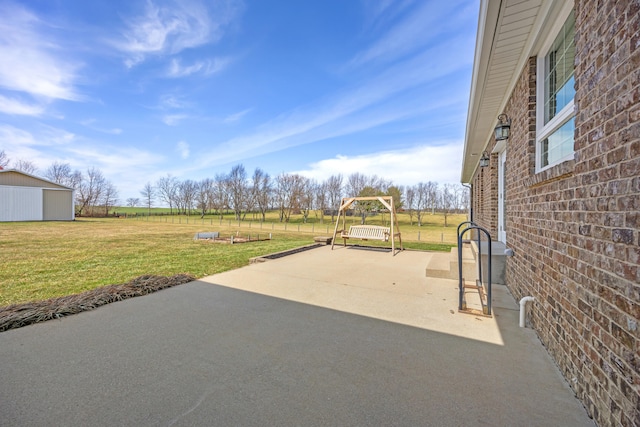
<point>368,232</point>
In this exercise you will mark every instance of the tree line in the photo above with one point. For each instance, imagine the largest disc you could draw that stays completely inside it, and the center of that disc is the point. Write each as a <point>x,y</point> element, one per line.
<point>255,194</point>
<point>291,193</point>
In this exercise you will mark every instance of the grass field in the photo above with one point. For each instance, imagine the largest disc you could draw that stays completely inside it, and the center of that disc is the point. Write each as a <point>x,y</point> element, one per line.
<point>42,260</point>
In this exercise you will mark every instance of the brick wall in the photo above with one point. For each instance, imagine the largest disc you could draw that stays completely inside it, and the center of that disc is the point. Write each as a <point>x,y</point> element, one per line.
<point>575,228</point>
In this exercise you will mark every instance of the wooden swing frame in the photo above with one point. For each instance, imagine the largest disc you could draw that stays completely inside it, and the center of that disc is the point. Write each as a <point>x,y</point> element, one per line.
<point>365,232</point>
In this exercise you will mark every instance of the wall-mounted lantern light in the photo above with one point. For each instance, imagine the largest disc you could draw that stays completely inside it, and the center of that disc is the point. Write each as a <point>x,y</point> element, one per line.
<point>484,160</point>
<point>503,127</point>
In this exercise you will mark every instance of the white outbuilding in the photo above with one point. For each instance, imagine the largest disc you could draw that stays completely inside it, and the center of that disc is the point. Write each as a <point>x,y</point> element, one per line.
<point>25,197</point>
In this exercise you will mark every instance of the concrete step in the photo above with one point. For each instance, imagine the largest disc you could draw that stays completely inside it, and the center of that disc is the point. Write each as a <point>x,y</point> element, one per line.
<point>469,267</point>
<point>445,265</point>
<point>439,266</point>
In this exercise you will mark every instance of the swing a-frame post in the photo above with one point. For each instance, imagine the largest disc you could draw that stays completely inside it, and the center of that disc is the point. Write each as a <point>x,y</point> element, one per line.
<point>368,232</point>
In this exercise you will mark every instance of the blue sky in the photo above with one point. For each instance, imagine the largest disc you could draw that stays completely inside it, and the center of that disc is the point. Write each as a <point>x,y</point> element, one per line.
<point>140,89</point>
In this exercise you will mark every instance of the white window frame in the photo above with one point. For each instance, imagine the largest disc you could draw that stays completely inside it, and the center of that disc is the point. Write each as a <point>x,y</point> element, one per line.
<point>545,130</point>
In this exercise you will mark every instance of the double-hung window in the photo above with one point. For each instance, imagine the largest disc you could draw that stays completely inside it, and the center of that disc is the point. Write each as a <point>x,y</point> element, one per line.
<point>555,94</point>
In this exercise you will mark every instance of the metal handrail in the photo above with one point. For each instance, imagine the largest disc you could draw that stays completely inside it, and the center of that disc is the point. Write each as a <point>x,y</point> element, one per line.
<point>474,226</point>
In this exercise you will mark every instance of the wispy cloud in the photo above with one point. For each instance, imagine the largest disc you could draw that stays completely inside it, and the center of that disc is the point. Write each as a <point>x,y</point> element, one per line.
<point>422,26</point>
<point>90,123</point>
<point>170,101</point>
<point>232,118</point>
<point>175,26</point>
<point>344,113</point>
<point>183,149</point>
<point>46,136</point>
<point>208,67</point>
<point>440,163</point>
<point>173,119</point>
<point>127,167</point>
<point>32,61</point>
<point>19,108</point>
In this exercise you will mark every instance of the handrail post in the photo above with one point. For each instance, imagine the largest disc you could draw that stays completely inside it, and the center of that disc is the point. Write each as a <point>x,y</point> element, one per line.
<point>474,226</point>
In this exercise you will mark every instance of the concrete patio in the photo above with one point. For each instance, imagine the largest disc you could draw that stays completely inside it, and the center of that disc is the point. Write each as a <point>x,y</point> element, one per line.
<point>343,337</point>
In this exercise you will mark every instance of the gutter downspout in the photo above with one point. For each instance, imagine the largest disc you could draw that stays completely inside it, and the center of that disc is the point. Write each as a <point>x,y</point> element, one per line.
<point>523,308</point>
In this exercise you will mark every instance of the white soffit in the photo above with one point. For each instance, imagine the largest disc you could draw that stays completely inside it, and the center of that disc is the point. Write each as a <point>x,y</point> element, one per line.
<point>502,48</point>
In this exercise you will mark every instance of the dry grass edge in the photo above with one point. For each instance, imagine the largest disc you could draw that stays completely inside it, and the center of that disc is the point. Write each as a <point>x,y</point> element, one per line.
<point>19,315</point>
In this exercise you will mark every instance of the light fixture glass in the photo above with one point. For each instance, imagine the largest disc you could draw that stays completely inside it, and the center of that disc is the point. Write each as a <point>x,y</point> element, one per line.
<point>484,160</point>
<point>503,127</point>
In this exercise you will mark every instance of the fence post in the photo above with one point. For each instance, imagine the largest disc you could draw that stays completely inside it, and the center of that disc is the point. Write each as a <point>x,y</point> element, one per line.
<point>418,236</point>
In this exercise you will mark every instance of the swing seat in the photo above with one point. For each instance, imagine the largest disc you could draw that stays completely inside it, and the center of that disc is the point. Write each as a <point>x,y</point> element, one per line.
<point>366,232</point>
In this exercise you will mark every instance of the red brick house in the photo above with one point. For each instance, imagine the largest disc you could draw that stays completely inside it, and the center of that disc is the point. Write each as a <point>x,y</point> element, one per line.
<point>563,191</point>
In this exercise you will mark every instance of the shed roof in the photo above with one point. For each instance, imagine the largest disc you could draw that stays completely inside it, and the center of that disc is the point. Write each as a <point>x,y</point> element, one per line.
<point>18,178</point>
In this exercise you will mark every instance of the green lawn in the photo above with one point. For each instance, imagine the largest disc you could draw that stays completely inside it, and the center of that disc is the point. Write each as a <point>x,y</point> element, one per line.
<point>42,260</point>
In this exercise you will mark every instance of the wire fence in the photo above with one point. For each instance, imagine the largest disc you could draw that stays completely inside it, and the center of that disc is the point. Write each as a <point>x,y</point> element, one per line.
<point>427,234</point>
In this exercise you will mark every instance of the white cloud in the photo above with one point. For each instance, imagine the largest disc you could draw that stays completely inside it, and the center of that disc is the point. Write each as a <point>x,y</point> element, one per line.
<point>173,119</point>
<point>439,163</point>
<point>232,118</point>
<point>172,101</point>
<point>17,107</point>
<point>32,62</point>
<point>90,123</point>
<point>171,28</point>
<point>183,149</point>
<point>208,67</point>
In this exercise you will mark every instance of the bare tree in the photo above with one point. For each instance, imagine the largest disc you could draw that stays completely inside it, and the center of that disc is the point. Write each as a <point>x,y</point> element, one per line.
<point>90,191</point>
<point>288,194</point>
<point>132,202</point>
<point>356,182</point>
<point>306,197</point>
<point>322,198</point>
<point>422,198</point>
<point>464,199</point>
<point>448,200</point>
<point>220,199</point>
<point>148,194</point>
<point>187,194</point>
<point>409,201</point>
<point>26,166</point>
<point>62,174</point>
<point>261,191</point>
<point>205,195</point>
<point>334,191</point>
<point>432,195</point>
<point>109,197</point>
<point>4,159</point>
<point>238,189</point>
<point>167,187</point>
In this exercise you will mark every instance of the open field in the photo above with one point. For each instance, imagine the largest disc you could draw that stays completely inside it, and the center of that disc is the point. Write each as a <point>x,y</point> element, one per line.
<point>431,231</point>
<point>42,260</point>
<point>48,259</point>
